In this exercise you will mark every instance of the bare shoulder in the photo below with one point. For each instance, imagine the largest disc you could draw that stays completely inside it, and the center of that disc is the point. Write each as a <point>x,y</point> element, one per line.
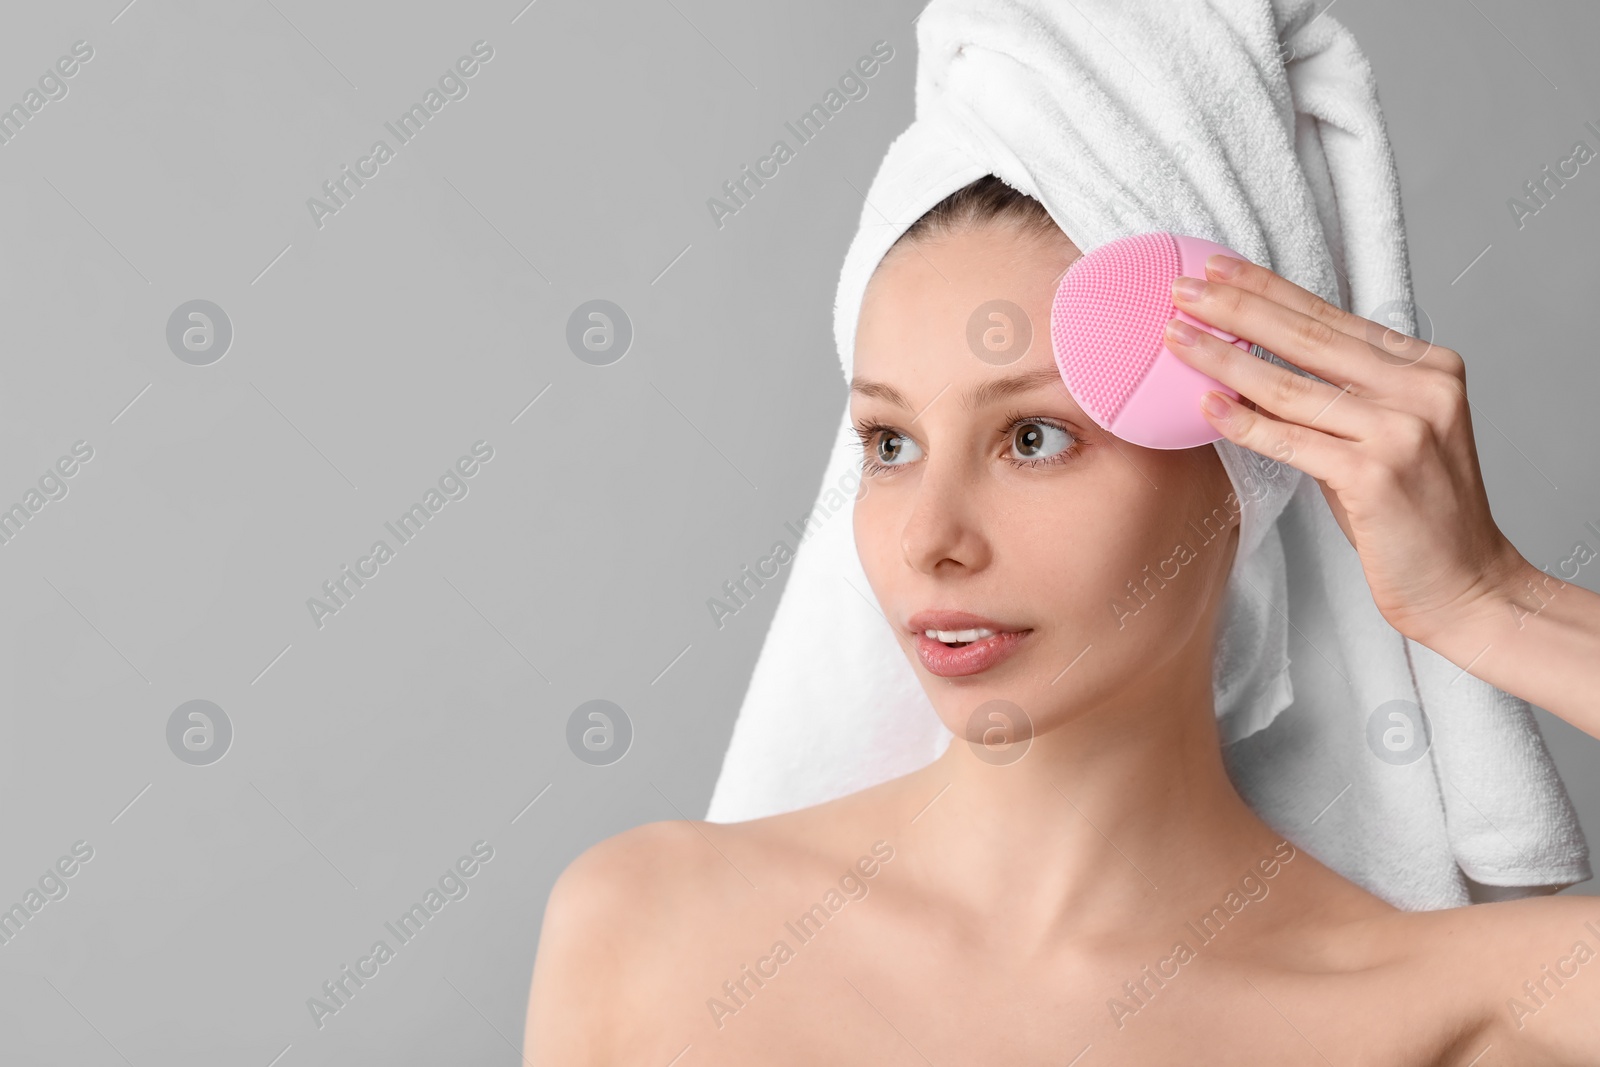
<point>1539,962</point>
<point>643,914</point>
<point>1525,974</point>
<point>605,911</point>
<point>634,876</point>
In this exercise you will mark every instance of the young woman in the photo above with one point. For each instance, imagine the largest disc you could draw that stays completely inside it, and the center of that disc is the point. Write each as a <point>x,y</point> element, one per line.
<point>1107,897</point>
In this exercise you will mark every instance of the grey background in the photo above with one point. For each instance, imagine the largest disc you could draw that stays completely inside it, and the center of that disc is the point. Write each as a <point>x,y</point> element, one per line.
<point>370,353</point>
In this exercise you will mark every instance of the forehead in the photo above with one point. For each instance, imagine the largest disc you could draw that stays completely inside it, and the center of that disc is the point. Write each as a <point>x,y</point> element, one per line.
<point>964,310</point>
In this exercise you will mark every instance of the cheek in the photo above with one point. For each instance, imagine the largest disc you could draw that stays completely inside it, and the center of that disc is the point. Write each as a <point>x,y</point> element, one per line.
<point>1083,581</point>
<point>1083,539</point>
<point>879,526</point>
<point>874,536</point>
<point>1113,569</point>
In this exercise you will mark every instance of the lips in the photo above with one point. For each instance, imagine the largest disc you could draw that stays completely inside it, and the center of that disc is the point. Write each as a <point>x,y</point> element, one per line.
<point>971,657</point>
<point>958,620</point>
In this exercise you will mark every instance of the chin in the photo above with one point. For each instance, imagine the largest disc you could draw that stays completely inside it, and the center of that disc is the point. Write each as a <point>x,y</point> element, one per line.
<point>999,713</point>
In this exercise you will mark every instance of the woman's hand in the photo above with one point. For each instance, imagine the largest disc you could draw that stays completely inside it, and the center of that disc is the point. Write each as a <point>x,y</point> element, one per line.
<point>1389,440</point>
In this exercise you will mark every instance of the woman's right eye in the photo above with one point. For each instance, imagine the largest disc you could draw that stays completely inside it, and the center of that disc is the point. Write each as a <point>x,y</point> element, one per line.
<point>883,448</point>
<point>891,446</point>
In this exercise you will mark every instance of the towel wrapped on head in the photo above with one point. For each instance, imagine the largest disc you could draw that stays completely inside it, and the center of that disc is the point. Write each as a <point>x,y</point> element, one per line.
<point>1255,124</point>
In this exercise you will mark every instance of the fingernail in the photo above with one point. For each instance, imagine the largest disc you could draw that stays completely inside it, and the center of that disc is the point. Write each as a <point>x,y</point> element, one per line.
<point>1188,288</point>
<point>1182,332</point>
<point>1223,266</point>
<point>1216,405</point>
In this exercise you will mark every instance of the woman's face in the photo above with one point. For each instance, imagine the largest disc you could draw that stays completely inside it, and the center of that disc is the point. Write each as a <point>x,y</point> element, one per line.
<point>987,490</point>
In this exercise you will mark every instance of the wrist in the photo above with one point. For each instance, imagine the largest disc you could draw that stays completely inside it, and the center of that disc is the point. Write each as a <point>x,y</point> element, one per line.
<point>1527,592</point>
<point>1511,589</point>
<point>1518,592</point>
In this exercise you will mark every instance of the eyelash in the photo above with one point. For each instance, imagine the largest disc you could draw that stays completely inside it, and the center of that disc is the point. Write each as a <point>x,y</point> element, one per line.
<point>868,432</point>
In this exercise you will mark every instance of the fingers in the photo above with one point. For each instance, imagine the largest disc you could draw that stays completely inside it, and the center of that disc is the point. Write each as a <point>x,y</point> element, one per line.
<point>1282,393</point>
<point>1254,278</point>
<point>1304,329</point>
<point>1320,455</point>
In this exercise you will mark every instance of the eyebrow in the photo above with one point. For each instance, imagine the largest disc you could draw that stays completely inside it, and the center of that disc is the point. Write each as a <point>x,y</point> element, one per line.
<point>979,395</point>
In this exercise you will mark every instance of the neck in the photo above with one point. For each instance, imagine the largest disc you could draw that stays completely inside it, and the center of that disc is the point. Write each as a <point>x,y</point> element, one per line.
<point>1123,814</point>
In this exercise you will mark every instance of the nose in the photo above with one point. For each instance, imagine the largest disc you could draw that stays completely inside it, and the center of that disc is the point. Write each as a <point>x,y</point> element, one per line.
<point>944,531</point>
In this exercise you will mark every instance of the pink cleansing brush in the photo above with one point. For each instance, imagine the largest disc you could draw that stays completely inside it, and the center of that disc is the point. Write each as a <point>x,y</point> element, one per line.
<point>1108,325</point>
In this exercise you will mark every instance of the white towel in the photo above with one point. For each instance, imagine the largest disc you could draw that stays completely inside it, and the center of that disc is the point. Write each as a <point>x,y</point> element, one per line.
<point>1255,124</point>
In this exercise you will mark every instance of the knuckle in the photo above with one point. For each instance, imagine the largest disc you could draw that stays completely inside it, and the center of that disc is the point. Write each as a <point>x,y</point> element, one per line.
<point>1401,349</point>
<point>1410,435</point>
<point>1284,443</point>
<point>1289,388</point>
<point>1314,333</point>
<point>1383,478</point>
<point>1446,398</point>
<point>1230,297</point>
<point>1254,278</point>
<point>1290,438</point>
<point>1270,437</point>
<point>1449,361</point>
<point>1334,316</point>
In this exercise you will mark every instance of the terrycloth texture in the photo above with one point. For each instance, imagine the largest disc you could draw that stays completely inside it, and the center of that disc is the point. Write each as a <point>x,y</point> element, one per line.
<point>1255,124</point>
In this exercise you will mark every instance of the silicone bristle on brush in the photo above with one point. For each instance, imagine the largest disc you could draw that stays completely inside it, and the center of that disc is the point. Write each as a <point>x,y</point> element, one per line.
<point>1112,309</point>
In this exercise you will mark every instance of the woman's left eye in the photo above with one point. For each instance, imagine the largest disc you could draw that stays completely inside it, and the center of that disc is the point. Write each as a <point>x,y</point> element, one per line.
<point>1039,442</point>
